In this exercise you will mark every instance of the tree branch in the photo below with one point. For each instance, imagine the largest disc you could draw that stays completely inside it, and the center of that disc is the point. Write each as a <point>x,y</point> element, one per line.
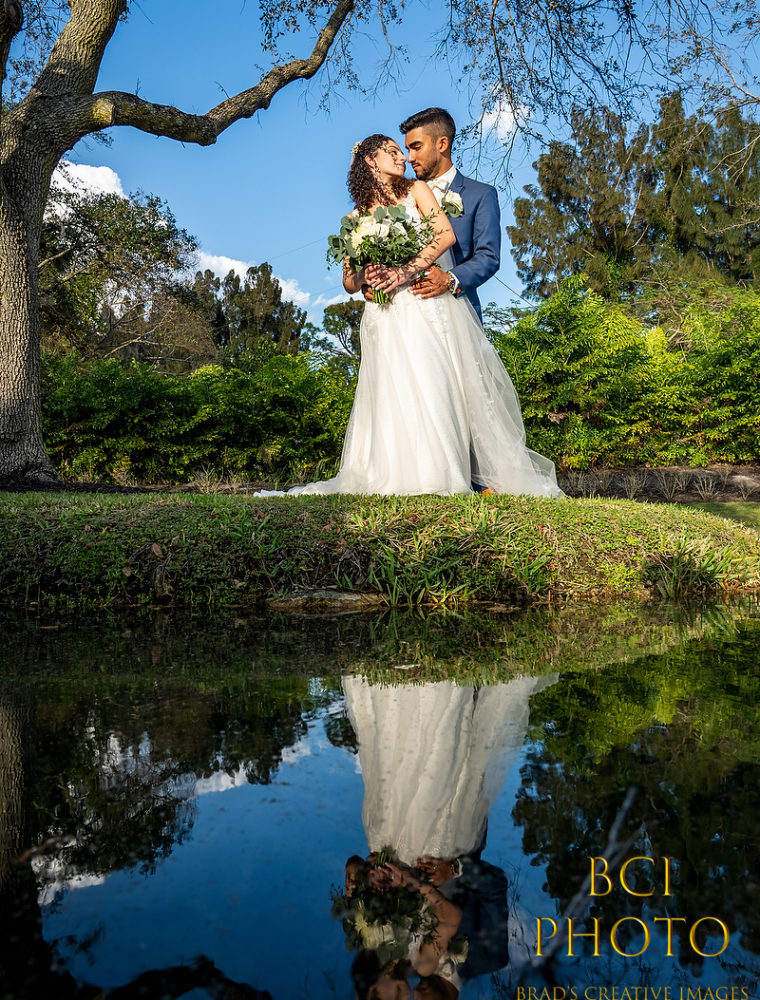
<point>247,103</point>
<point>11,19</point>
<point>103,110</point>
<point>74,61</point>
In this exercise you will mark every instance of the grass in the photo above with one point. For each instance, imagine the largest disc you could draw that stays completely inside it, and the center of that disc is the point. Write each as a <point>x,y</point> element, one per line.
<point>63,550</point>
<point>745,513</point>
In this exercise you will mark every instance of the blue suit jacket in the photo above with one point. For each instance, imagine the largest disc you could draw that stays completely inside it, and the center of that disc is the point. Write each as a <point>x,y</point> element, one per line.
<point>477,251</point>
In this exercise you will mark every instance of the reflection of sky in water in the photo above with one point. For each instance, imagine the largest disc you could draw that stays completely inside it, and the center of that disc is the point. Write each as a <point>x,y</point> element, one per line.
<point>249,887</point>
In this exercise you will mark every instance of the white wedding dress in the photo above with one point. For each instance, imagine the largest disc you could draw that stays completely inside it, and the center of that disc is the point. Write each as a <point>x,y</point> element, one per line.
<point>435,409</point>
<point>434,758</point>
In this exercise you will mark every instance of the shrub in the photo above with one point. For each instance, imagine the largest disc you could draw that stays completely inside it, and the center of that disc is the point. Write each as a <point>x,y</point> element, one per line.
<point>104,420</point>
<point>597,387</point>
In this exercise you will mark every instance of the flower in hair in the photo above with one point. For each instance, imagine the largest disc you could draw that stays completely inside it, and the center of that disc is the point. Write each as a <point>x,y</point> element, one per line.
<point>355,148</point>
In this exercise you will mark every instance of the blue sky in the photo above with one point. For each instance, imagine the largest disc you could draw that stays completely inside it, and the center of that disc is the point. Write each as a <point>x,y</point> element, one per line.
<point>273,187</point>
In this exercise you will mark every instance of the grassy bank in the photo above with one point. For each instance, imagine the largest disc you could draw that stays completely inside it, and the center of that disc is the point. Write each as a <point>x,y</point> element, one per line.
<point>98,550</point>
<point>745,513</point>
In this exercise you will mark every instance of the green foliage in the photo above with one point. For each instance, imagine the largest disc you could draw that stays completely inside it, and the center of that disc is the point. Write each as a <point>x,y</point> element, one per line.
<point>727,362</point>
<point>585,215</point>
<point>340,334</point>
<point>113,283</point>
<point>255,311</point>
<point>386,236</point>
<point>598,387</point>
<point>107,421</point>
<point>595,388</point>
<point>108,271</point>
<point>684,731</point>
<point>677,199</point>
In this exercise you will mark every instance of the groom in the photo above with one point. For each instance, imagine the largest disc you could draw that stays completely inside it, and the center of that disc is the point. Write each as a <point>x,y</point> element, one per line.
<point>429,139</point>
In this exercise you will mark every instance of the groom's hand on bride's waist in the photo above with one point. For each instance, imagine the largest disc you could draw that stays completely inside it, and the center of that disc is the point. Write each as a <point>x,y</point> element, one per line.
<point>433,282</point>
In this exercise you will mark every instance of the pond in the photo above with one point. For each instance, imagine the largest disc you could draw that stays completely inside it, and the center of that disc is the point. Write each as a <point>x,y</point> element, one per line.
<point>291,807</point>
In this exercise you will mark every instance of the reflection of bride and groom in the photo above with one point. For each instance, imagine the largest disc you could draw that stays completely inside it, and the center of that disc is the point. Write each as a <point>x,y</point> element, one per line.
<point>424,906</point>
<point>435,411</point>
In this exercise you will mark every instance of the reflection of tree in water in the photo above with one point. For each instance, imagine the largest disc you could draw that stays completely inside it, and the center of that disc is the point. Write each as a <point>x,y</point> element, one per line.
<point>122,722</point>
<point>683,730</point>
<point>115,769</point>
<point>127,766</point>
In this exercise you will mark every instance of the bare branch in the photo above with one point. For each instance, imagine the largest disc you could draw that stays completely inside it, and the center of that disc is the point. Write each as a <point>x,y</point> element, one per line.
<point>102,110</point>
<point>55,256</point>
<point>95,112</point>
<point>247,103</point>
<point>614,852</point>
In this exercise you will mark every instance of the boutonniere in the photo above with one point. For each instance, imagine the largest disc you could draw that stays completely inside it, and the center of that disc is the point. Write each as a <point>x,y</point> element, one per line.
<point>451,204</point>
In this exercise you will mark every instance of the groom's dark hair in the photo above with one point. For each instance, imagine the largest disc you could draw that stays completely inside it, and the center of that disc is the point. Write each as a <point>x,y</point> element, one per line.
<point>437,121</point>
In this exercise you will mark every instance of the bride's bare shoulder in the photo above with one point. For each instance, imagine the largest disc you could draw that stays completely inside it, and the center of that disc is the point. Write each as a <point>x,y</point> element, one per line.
<point>422,194</point>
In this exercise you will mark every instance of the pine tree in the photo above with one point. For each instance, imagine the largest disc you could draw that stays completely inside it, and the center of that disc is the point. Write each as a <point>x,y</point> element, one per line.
<point>734,218</point>
<point>256,312</point>
<point>586,214</point>
<point>677,204</point>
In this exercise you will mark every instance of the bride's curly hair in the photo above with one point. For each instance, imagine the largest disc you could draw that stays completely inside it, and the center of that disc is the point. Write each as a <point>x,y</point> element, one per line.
<point>363,187</point>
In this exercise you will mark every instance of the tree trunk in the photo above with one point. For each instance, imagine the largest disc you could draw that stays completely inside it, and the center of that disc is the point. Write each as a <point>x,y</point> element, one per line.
<point>14,720</point>
<point>22,450</point>
<point>27,966</point>
<point>58,111</point>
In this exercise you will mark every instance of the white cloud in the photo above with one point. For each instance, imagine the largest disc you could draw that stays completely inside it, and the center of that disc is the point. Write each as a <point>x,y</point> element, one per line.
<point>292,291</point>
<point>291,755</point>
<point>102,180</point>
<point>501,121</point>
<point>72,176</point>
<point>221,265</point>
<point>322,302</point>
<point>220,781</point>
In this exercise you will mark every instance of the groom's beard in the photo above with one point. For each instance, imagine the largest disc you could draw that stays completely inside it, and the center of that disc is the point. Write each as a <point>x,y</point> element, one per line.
<point>423,173</point>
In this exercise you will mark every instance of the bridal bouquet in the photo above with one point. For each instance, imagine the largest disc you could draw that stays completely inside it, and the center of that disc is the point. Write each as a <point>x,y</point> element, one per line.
<point>386,236</point>
<point>385,922</point>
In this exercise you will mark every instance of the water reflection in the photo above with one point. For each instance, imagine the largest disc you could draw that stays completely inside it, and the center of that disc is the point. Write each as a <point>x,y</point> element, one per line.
<point>434,758</point>
<point>178,799</point>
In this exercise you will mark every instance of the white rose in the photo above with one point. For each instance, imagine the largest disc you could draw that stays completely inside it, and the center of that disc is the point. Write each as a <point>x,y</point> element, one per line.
<point>374,934</point>
<point>378,229</point>
<point>364,228</point>
<point>353,241</point>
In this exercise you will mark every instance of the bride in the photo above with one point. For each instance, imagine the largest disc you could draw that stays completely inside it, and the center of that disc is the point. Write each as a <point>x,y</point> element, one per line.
<point>435,411</point>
